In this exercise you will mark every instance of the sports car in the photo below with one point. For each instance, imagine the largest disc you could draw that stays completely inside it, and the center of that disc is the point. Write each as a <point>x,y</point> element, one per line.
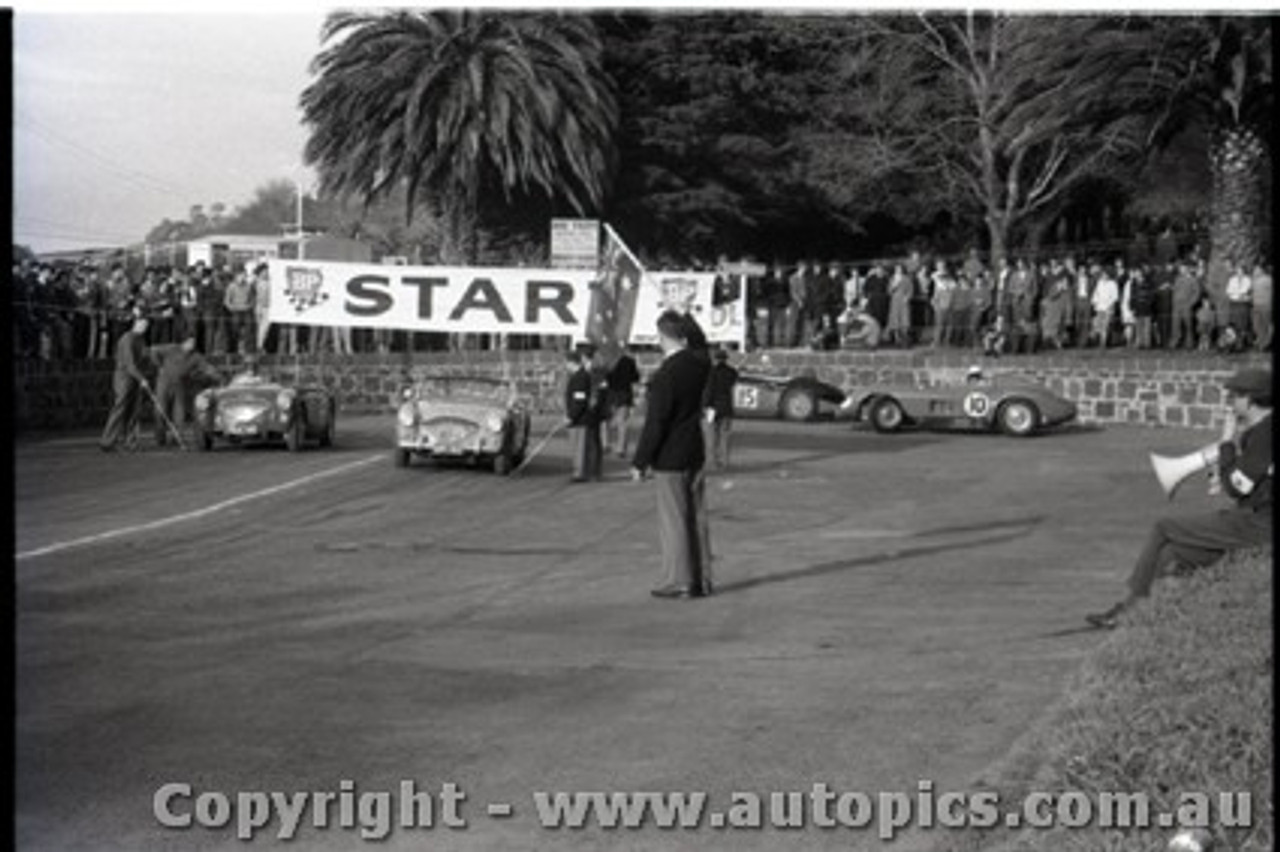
<point>799,398</point>
<point>482,420</point>
<point>254,409</point>
<point>992,403</point>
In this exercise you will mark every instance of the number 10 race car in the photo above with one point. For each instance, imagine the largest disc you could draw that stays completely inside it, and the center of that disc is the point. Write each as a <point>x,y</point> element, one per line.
<point>1007,404</point>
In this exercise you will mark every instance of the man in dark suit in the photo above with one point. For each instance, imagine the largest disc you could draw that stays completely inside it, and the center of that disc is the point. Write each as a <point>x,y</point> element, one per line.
<point>621,381</point>
<point>581,408</point>
<point>671,449</point>
<point>718,404</point>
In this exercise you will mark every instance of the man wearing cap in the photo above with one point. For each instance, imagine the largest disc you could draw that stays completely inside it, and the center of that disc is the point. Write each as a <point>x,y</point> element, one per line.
<point>1244,469</point>
<point>671,448</point>
<point>128,383</point>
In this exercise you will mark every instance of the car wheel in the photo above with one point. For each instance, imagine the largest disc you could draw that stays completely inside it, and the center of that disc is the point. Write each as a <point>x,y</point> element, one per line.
<point>330,429</point>
<point>402,458</point>
<point>204,440</point>
<point>887,415</point>
<point>1018,417</point>
<point>296,435</point>
<point>799,405</point>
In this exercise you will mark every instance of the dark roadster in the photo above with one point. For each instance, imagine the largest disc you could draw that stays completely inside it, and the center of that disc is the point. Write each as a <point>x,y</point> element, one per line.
<point>800,398</point>
<point>255,409</point>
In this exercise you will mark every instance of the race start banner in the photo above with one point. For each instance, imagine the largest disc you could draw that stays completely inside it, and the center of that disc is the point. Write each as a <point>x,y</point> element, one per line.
<point>430,298</point>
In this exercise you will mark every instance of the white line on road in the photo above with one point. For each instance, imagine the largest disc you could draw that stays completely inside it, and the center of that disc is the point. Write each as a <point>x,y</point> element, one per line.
<point>197,513</point>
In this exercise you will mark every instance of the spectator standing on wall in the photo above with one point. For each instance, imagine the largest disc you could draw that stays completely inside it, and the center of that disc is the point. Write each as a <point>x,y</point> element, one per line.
<point>1142,303</point>
<point>1162,277</point>
<point>1216,275</point>
<point>1240,301</point>
<point>797,291</point>
<point>901,289</point>
<point>776,297</point>
<point>1106,293</point>
<point>981,300</point>
<point>120,293</point>
<point>1056,305</point>
<point>1262,319</point>
<point>1186,292</point>
<point>239,302</point>
<point>875,293</point>
<point>1082,306</point>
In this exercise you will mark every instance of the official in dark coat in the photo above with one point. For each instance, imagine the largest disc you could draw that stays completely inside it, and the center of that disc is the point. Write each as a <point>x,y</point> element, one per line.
<point>671,449</point>
<point>128,382</point>
<point>1243,469</point>
<point>718,405</point>
<point>621,381</point>
<point>582,407</point>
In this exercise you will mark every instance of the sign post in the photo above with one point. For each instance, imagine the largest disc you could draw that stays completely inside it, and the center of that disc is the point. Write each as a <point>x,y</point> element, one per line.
<point>575,243</point>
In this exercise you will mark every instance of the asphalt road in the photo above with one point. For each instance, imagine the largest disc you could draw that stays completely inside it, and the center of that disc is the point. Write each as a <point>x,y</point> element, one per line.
<point>891,609</point>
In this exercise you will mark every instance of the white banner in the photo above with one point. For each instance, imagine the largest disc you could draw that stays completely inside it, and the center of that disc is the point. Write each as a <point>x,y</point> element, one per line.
<point>430,298</point>
<point>688,293</point>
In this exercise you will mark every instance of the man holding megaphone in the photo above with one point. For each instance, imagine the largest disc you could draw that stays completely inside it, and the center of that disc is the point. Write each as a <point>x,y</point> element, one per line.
<point>1240,465</point>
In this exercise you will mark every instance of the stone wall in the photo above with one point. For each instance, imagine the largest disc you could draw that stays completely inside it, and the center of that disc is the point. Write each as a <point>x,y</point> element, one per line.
<point>1153,389</point>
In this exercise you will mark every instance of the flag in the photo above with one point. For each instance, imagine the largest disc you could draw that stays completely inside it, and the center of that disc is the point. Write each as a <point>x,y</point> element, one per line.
<point>612,308</point>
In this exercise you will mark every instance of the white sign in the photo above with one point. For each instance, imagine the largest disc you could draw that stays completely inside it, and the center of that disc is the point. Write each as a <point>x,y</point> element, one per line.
<point>689,293</point>
<point>430,298</point>
<point>575,243</point>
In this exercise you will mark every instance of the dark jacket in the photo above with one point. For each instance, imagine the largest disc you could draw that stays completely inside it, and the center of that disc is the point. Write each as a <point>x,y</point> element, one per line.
<point>131,357</point>
<point>671,440</point>
<point>178,367</point>
<point>622,380</point>
<point>1246,473</point>
<point>719,394</point>
<point>578,400</point>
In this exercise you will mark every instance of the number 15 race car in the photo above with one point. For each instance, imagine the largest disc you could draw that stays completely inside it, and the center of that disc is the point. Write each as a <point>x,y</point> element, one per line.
<point>801,398</point>
<point>1004,403</point>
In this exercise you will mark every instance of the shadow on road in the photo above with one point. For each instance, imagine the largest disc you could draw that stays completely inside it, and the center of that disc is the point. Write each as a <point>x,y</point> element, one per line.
<point>1016,528</point>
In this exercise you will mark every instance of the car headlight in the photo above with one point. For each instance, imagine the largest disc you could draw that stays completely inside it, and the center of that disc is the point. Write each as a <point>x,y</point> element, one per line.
<point>494,422</point>
<point>407,415</point>
<point>284,400</point>
<point>406,394</point>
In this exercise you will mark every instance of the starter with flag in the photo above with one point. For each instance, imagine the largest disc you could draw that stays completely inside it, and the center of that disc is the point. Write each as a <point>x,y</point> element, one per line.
<point>612,308</point>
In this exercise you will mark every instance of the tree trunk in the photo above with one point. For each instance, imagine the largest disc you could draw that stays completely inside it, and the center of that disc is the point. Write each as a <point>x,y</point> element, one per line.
<point>1237,162</point>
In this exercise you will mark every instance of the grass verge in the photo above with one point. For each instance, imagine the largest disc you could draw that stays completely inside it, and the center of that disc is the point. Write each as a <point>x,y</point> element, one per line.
<point>1177,700</point>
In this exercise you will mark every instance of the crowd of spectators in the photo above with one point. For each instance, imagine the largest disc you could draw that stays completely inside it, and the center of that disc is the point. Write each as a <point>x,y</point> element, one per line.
<point>1023,306</point>
<point>75,311</point>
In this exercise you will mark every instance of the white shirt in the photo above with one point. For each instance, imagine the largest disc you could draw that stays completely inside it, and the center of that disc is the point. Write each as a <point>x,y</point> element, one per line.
<point>1239,288</point>
<point>1106,294</point>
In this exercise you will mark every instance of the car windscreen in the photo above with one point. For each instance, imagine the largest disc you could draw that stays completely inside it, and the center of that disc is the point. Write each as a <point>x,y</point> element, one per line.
<point>468,389</point>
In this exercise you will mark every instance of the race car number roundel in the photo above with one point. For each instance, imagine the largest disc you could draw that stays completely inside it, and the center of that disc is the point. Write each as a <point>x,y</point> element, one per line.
<point>747,396</point>
<point>977,404</point>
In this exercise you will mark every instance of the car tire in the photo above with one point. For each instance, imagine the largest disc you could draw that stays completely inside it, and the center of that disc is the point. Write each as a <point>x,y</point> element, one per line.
<point>401,457</point>
<point>295,437</point>
<point>887,415</point>
<point>798,405</point>
<point>330,429</point>
<point>1018,417</point>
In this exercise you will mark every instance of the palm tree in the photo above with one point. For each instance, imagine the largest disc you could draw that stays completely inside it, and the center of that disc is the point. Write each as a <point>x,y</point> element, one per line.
<point>455,104</point>
<point>1224,85</point>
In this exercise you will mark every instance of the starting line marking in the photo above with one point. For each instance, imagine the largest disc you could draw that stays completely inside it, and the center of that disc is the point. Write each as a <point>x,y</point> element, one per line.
<point>195,514</point>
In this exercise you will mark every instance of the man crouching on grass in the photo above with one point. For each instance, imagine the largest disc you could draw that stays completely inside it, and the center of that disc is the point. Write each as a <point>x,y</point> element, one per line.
<point>1244,469</point>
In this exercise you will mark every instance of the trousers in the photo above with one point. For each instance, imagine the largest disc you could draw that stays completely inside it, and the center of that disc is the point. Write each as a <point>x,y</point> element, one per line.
<point>683,528</point>
<point>1197,541</point>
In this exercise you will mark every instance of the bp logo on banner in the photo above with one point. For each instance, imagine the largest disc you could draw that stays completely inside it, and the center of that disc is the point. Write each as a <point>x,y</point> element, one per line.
<point>304,288</point>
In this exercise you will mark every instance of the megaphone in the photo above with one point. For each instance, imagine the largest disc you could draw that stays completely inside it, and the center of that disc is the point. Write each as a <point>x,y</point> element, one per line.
<point>1172,471</point>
